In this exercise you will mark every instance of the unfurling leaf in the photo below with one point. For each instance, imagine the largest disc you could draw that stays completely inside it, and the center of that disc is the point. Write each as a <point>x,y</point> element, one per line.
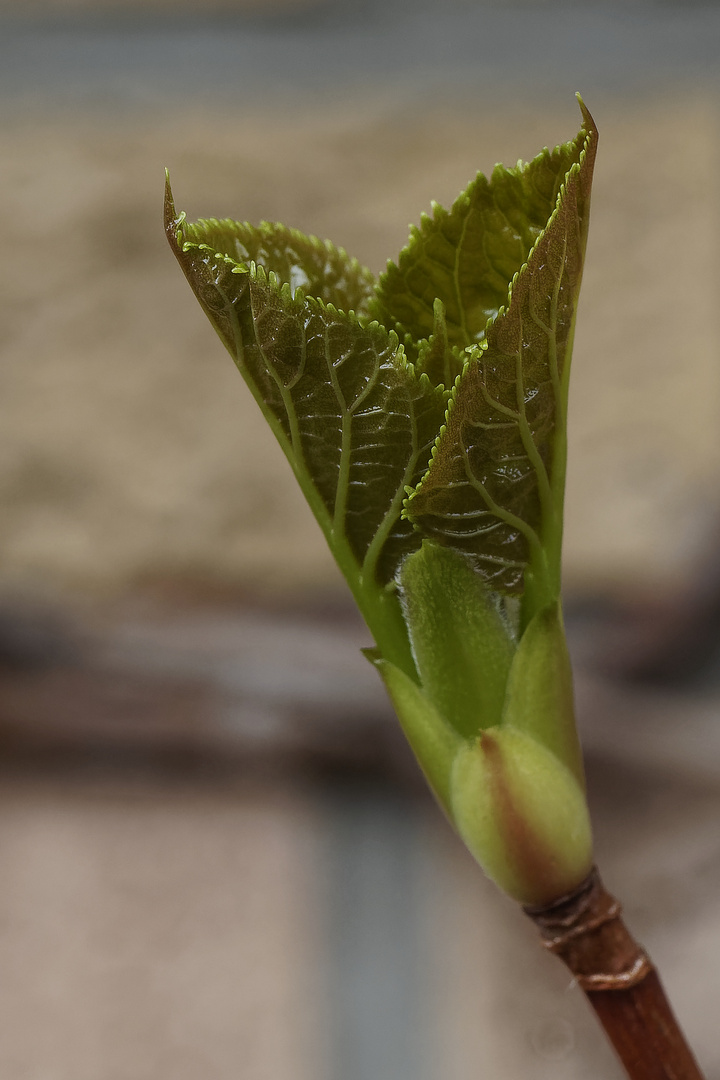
<point>319,268</point>
<point>424,416</point>
<point>468,255</point>
<point>358,419</point>
<point>495,486</point>
<point>354,418</point>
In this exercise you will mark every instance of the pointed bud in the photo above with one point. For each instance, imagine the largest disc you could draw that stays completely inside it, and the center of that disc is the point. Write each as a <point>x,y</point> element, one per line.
<point>462,644</point>
<point>433,741</point>
<point>539,697</point>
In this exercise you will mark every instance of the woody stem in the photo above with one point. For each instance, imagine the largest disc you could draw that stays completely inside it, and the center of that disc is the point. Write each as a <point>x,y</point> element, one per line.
<point>586,931</point>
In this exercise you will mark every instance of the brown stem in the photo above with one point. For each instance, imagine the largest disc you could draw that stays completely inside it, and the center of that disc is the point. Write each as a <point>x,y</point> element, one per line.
<point>586,931</point>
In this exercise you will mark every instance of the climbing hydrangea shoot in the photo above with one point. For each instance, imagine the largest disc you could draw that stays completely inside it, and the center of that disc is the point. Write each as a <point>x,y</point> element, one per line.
<point>424,416</point>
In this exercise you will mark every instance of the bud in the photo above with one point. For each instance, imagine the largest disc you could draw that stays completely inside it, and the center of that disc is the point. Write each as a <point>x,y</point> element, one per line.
<point>434,742</point>
<point>491,721</point>
<point>523,815</point>
<point>461,639</point>
<point>539,690</point>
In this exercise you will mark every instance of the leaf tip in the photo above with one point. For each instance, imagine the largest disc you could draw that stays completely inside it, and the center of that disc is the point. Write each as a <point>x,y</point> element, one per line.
<point>588,121</point>
<point>172,220</point>
<point>168,202</point>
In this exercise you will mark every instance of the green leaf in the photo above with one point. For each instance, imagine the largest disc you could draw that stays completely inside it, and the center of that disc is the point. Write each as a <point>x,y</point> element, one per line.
<point>495,485</point>
<point>317,267</point>
<point>461,640</point>
<point>355,419</point>
<point>431,447</point>
<point>468,255</point>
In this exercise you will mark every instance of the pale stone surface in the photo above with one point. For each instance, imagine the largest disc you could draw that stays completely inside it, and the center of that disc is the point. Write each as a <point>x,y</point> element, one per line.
<point>149,934</point>
<point>167,932</point>
<point>159,929</point>
<point>128,444</point>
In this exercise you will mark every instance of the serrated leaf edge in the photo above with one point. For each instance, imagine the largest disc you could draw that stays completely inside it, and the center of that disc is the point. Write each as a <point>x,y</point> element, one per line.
<point>439,212</point>
<point>476,350</point>
<point>324,247</point>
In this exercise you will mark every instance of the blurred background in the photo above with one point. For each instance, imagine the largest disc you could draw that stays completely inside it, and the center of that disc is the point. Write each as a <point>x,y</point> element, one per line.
<point>217,858</point>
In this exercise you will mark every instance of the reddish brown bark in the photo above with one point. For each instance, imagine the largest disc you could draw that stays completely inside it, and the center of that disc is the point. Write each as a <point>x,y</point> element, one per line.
<point>586,931</point>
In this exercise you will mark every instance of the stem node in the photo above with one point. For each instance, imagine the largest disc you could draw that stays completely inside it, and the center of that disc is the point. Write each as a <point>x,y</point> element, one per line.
<point>586,931</point>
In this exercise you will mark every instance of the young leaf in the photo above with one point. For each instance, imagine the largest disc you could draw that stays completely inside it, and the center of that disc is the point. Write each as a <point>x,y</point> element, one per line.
<point>467,256</point>
<point>481,683</point>
<point>354,418</point>
<point>317,267</point>
<point>495,484</point>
